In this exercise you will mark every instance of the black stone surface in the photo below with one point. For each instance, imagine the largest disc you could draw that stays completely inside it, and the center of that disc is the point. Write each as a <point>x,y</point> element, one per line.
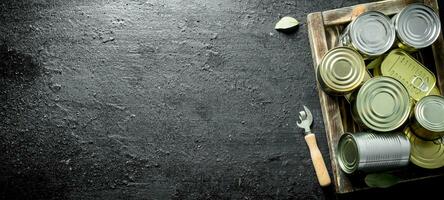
<point>114,99</point>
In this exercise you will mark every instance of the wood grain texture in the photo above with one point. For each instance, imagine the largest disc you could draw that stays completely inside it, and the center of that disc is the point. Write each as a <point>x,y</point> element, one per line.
<point>324,29</point>
<point>329,104</point>
<point>346,14</point>
<point>438,50</point>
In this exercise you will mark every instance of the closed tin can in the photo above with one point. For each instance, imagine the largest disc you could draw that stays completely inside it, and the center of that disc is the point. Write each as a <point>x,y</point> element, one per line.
<point>425,154</point>
<point>417,26</point>
<point>418,80</point>
<point>381,104</point>
<point>341,71</point>
<point>428,121</point>
<point>372,152</point>
<point>371,33</point>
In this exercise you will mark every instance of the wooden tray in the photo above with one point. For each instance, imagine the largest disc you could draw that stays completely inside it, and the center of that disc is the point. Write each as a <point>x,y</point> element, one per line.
<point>323,31</point>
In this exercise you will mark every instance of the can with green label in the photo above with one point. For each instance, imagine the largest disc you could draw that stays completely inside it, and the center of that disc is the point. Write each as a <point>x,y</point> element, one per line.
<point>381,104</point>
<point>341,71</point>
<point>371,34</point>
<point>372,152</point>
<point>428,121</point>
<point>425,154</point>
<point>417,79</point>
<point>417,26</point>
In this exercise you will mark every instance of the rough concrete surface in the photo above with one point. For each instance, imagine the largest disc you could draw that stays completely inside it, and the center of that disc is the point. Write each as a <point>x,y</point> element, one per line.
<point>168,99</point>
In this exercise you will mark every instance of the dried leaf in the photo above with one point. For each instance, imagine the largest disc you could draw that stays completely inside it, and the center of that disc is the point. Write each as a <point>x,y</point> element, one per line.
<point>381,180</point>
<point>286,23</point>
<point>376,62</point>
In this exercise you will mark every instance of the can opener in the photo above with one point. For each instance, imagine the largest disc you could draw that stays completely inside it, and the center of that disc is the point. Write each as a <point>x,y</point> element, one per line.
<point>318,161</point>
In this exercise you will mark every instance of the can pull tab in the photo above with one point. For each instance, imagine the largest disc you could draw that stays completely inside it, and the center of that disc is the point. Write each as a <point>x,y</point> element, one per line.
<point>419,83</point>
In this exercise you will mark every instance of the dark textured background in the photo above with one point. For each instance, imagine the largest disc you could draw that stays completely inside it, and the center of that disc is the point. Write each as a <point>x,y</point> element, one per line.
<point>114,99</point>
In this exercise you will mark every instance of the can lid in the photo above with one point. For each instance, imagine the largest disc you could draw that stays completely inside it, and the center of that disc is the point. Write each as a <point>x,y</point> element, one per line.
<point>429,113</point>
<point>383,104</point>
<point>418,25</point>
<point>372,33</point>
<point>426,154</point>
<point>348,153</point>
<point>416,78</point>
<point>342,69</point>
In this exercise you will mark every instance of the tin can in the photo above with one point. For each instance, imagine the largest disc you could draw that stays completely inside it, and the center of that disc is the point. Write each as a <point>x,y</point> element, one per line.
<point>417,26</point>
<point>341,71</point>
<point>418,80</point>
<point>372,152</point>
<point>371,33</point>
<point>381,104</point>
<point>428,121</point>
<point>425,154</point>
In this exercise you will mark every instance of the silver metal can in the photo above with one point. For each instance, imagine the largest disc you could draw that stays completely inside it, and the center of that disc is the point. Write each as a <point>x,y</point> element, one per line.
<point>371,33</point>
<point>417,26</point>
<point>428,121</point>
<point>372,152</point>
<point>381,104</point>
<point>341,71</point>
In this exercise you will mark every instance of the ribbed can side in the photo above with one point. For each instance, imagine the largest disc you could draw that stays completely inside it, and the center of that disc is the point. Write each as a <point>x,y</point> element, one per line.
<point>382,151</point>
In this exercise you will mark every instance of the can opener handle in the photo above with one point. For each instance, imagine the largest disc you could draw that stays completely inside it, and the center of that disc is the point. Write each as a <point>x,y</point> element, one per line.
<point>318,160</point>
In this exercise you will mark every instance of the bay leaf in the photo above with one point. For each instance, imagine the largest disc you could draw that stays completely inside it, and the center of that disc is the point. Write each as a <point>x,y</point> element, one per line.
<point>286,23</point>
<point>381,180</point>
<point>376,62</point>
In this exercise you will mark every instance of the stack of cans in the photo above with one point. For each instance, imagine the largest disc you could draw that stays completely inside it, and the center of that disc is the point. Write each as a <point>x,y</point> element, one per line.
<point>397,101</point>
